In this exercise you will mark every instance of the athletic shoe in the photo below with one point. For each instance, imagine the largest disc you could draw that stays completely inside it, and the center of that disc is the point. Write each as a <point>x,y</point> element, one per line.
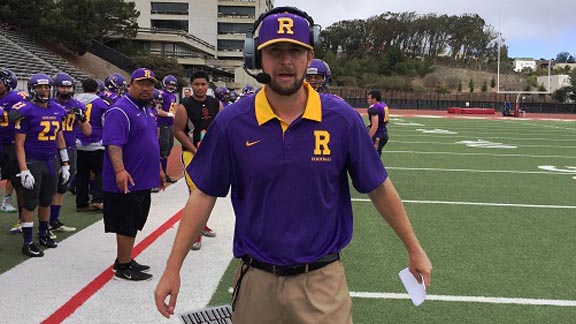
<point>7,205</point>
<point>47,241</point>
<point>52,235</point>
<point>97,206</point>
<point>133,264</point>
<point>208,232</point>
<point>86,209</point>
<point>57,226</point>
<point>132,274</point>
<point>170,180</point>
<point>16,228</point>
<point>197,244</point>
<point>31,250</point>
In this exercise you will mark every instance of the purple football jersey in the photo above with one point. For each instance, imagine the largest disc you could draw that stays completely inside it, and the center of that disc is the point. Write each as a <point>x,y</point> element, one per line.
<point>169,105</point>
<point>69,126</point>
<point>6,103</point>
<point>40,126</point>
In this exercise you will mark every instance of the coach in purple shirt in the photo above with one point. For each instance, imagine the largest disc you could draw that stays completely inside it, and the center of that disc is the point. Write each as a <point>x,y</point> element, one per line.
<point>286,155</point>
<point>131,168</point>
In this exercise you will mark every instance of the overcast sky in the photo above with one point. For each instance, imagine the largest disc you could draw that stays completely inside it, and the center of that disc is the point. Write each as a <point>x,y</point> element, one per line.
<point>531,29</point>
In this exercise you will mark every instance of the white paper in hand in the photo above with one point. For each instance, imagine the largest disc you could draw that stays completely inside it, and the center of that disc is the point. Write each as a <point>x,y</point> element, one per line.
<point>417,291</point>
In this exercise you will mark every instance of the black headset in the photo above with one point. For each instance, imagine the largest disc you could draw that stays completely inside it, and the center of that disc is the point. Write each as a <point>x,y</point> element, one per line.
<point>252,57</point>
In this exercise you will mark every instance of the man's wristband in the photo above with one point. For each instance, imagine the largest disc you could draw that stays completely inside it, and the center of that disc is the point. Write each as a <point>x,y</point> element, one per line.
<point>63,155</point>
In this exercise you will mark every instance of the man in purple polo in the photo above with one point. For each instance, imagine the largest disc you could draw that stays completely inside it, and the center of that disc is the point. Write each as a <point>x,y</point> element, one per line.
<point>287,153</point>
<point>131,169</point>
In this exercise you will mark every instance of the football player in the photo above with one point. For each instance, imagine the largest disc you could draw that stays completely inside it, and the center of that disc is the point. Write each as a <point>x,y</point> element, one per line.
<point>75,122</point>
<point>165,121</point>
<point>319,75</point>
<point>115,87</point>
<point>39,141</point>
<point>9,96</point>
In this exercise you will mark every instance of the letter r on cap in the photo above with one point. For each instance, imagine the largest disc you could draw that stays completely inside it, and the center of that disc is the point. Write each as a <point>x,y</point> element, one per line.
<point>285,25</point>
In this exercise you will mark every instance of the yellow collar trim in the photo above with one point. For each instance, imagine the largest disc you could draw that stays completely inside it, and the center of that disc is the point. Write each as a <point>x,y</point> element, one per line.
<point>264,112</point>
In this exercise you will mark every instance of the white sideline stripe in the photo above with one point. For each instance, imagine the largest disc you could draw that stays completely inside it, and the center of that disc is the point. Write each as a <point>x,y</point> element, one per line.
<point>471,299</point>
<point>484,154</point>
<point>542,139</point>
<point>438,202</point>
<point>473,171</point>
<point>519,145</point>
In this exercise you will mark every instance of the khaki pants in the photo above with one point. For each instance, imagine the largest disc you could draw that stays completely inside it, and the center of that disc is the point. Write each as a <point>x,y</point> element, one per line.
<point>316,297</point>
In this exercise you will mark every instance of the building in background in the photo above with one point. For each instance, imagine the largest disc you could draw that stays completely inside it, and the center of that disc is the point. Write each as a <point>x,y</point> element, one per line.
<point>556,81</point>
<point>200,34</point>
<point>524,63</point>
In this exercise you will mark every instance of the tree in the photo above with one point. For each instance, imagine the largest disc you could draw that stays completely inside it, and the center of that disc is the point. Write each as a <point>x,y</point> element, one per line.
<point>562,57</point>
<point>115,18</point>
<point>484,87</point>
<point>76,28</point>
<point>493,82</point>
<point>471,85</point>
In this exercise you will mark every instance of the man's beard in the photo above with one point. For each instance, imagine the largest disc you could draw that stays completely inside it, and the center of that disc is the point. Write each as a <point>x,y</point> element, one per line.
<point>290,90</point>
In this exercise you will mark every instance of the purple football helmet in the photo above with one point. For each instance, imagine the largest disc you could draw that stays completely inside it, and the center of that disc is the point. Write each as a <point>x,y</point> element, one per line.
<point>248,90</point>
<point>101,86</point>
<point>157,95</point>
<point>62,79</point>
<point>321,68</point>
<point>8,78</point>
<point>233,96</point>
<point>37,80</point>
<point>115,82</point>
<point>222,93</point>
<point>170,80</point>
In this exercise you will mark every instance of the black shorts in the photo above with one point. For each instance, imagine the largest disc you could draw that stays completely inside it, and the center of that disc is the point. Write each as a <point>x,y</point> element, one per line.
<point>45,175</point>
<point>8,162</point>
<point>126,214</point>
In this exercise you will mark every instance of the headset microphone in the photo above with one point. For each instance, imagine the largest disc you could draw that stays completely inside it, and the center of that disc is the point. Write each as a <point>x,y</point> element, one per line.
<point>261,77</point>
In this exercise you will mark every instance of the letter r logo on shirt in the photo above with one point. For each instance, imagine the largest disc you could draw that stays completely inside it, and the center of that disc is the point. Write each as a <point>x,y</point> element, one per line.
<point>322,138</point>
<point>285,25</point>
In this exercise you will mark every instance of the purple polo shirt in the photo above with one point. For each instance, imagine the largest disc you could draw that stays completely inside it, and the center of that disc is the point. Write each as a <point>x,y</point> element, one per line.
<point>69,126</point>
<point>132,127</point>
<point>6,103</point>
<point>169,105</point>
<point>40,126</point>
<point>289,184</point>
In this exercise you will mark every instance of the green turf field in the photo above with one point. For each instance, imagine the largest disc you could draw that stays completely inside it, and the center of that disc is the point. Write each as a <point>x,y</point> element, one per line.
<point>492,201</point>
<point>494,224</point>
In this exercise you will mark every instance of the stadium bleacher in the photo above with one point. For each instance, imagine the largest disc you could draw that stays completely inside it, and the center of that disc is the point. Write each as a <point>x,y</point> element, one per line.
<point>25,57</point>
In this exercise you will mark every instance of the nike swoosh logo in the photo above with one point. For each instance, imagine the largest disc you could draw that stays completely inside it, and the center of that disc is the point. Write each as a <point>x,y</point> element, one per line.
<point>248,143</point>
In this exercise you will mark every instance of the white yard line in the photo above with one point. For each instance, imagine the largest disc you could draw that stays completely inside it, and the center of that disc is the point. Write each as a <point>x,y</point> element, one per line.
<point>482,154</point>
<point>471,299</point>
<point>468,203</point>
<point>473,171</point>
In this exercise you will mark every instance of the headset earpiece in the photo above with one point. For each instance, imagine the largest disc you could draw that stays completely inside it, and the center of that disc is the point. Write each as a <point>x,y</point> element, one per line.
<point>251,55</point>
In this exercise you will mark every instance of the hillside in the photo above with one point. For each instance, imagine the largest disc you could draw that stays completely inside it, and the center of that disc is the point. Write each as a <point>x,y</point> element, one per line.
<point>450,77</point>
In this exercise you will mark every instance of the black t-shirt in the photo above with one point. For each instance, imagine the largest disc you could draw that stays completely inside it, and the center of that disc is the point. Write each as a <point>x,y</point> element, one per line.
<point>200,115</point>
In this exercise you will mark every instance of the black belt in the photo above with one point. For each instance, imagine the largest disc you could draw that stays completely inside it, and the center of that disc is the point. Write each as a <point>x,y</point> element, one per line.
<point>291,270</point>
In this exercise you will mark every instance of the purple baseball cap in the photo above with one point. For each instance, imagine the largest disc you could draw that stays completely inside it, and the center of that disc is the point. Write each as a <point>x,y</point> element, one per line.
<point>284,27</point>
<point>143,74</point>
